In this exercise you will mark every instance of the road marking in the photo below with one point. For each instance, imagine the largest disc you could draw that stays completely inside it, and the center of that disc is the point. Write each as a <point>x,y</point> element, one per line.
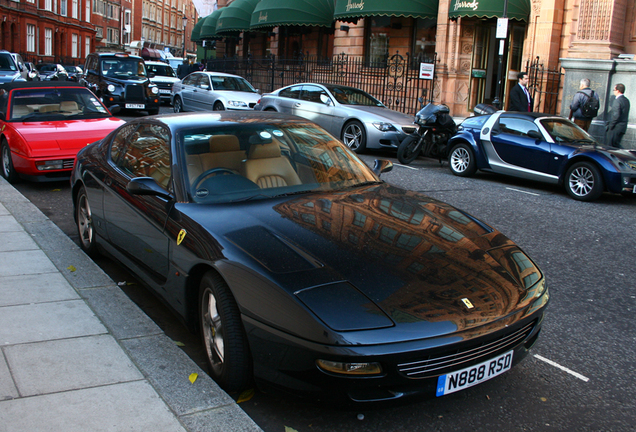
<point>563,368</point>
<point>406,166</point>
<point>522,191</point>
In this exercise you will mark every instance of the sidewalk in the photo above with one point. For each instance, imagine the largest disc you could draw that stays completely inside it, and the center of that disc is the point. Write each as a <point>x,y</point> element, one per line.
<point>77,354</point>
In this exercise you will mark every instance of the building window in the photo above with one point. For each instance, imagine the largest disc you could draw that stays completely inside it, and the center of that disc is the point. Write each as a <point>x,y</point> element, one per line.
<point>87,46</point>
<point>113,36</point>
<point>100,33</point>
<point>48,41</point>
<point>74,46</point>
<point>87,13</point>
<point>30,38</point>
<point>63,7</point>
<point>424,31</point>
<point>30,1</point>
<point>377,40</point>
<point>48,5</point>
<point>74,9</point>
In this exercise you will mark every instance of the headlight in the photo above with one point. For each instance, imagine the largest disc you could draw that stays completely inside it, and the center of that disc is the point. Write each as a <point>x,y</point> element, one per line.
<point>154,90</point>
<point>110,88</point>
<point>349,368</point>
<point>384,127</point>
<point>49,165</point>
<point>237,104</point>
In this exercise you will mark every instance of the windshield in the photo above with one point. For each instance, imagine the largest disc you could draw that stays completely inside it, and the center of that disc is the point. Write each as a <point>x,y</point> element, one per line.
<point>50,104</point>
<point>7,63</point>
<point>260,160</point>
<point>161,70</point>
<point>123,68</point>
<point>231,83</point>
<point>562,130</point>
<point>353,96</point>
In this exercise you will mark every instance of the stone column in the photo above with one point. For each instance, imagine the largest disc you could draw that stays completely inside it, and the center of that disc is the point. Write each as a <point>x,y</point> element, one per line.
<point>599,34</point>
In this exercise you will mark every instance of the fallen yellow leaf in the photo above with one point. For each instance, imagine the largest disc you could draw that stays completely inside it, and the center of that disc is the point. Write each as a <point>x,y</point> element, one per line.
<point>245,396</point>
<point>56,190</point>
<point>288,429</point>
<point>71,268</point>
<point>193,377</point>
<point>543,399</point>
<point>179,344</point>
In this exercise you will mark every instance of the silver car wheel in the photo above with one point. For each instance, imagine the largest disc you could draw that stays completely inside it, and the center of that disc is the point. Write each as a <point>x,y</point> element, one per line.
<point>460,159</point>
<point>581,181</point>
<point>177,105</point>
<point>84,221</point>
<point>213,332</point>
<point>354,136</point>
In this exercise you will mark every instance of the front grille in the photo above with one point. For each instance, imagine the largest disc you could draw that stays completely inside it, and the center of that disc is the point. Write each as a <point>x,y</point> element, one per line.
<point>408,129</point>
<point>135,93</point>
<point>164,85</point>
<point>439,364</point>
<point>252,104</point>
<point>68,163</point>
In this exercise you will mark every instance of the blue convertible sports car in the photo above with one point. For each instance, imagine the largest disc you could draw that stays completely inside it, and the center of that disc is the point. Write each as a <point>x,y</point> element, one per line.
<point>541,147</point>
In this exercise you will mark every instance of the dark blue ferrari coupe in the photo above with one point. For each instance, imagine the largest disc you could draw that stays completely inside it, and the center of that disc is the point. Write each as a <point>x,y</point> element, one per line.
<point>299,267</point>
<point>545,148</point>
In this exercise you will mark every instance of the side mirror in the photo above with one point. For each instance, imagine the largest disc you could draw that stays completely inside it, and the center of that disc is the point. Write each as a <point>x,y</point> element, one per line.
<point>325,99</point>
<point>114,109</point>
<point>91,72</point>
<point>151,74</point>
<point>382,166</point>
<point>147,186</point>
<point>535,134</point>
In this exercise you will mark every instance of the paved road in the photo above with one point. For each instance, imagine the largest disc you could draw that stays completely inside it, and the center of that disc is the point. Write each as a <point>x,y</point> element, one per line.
<point>580,376</point>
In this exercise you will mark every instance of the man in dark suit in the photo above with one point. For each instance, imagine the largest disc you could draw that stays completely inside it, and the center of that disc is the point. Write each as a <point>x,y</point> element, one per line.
<point>520,99</point>
<point>619,115</point>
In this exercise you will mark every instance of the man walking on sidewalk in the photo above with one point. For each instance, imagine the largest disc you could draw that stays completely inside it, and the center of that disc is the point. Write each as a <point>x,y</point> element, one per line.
<point>619,115</point>
<point>584,106</point>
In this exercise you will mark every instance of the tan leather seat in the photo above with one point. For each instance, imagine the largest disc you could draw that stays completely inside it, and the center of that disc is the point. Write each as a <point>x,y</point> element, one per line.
<point>224,152</point>
<point>69,107</point>
<point>21,111</point>
<point>49,108</point>
<point>266,167</point>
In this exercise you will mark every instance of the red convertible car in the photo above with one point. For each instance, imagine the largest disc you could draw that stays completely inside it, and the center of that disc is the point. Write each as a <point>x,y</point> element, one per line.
<point>44,124</point>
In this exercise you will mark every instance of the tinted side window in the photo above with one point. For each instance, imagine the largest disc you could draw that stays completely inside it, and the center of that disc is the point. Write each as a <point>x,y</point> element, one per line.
<point>121,142</point>
<point>148,154</point>
<point>204,82</point>
<point>291,92</point>
<point>312,93</point>
<point>516,126</point>
<point>190,80</point>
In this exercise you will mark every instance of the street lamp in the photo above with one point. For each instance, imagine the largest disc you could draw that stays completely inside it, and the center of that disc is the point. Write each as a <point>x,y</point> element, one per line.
<point>185,22</point>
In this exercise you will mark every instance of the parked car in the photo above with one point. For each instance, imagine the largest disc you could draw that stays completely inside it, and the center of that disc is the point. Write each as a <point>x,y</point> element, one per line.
<point>121,79</point>
<point>357,118</point>
<point>52,72</point>
<point>43,124</point>
<point>34,74</point>
<point>544,148</point>
<point>205,91</point>
<point>9,71</point>
<point>299,266</point>
<point>24,72</point>
<point>74,72</point>
<point>163,76</point>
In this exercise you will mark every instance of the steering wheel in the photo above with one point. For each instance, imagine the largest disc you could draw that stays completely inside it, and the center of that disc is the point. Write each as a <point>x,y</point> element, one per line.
<point>211,172</point>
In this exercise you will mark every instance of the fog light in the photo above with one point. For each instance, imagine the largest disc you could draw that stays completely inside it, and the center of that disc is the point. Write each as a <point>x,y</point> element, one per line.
<point>49,165</point>
<point>349,368</point>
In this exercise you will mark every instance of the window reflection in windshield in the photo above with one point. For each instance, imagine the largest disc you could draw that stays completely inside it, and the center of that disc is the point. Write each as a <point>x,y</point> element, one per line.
<point>565,131</point>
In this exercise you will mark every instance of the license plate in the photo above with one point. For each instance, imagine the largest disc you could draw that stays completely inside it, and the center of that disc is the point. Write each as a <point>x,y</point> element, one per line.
<point>135,106</point>
<point>461,379</point>
<point>164,91</point>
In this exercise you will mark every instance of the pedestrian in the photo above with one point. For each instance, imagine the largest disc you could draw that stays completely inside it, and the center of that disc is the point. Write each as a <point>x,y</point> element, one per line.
<point>520,99</point>
<point>184,69</point>
<point>584,106</point>
<point>617,124</point>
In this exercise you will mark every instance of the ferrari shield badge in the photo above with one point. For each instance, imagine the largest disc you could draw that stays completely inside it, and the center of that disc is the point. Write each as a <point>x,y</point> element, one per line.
<point>181,236</point>
<point>466,302</point>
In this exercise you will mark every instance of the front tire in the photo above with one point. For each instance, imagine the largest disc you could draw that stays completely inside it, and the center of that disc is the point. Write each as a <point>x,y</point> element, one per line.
<point>223,335</point>
<point>177,105</point>
<point>584,182</point>
<point>354,136</point>
<point>84,222</point>
<point>8,171</point>
<point>410,149</point>
<point>218,106</point>
<point>461,160</point>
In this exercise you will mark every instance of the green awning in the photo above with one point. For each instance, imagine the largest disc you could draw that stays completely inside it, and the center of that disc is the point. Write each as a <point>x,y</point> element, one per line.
<point>399,8</point>
<point>236,17</point>
<point>196,31</point>
<point>274,13</point>
<point>208,29</point>
<point>517,9</point>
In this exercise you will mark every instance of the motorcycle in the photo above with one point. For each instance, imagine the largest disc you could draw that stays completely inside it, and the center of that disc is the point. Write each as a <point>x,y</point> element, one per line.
<point>435,127</point>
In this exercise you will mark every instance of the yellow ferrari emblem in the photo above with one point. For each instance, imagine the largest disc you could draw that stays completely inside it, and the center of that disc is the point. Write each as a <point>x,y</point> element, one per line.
<point>467,303</point>
<point>181,236</point>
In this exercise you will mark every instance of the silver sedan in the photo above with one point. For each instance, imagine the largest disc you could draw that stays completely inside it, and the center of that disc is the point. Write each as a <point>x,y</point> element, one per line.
<point>357,118</point>
<point>205,91</point>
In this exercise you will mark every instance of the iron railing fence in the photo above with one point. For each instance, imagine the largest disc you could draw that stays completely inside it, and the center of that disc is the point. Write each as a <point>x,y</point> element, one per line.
<point>545,83</point>
<point>394,80</point>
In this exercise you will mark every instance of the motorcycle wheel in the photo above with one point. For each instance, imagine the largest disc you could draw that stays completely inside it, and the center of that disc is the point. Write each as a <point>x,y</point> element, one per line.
<point>409,149</point>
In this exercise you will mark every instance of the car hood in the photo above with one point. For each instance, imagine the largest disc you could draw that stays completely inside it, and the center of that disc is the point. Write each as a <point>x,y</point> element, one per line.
<point>386,113</point>
<point>8,76</point>
<point>124,82</point>
<point>238,95</point>
<point>386,256</point>
<point>164,79</point>
<point>64,137</point>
